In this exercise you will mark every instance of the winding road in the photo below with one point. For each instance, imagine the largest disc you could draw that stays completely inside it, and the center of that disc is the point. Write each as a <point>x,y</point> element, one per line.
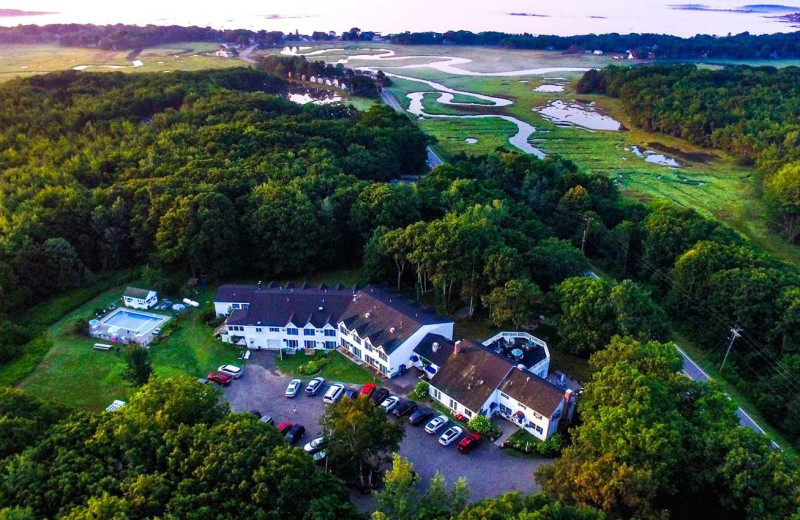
<point>433,159</point>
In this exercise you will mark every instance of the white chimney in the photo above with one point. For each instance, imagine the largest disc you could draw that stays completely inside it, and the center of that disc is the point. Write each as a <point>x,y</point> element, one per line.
<point>391,330</point>
<point>366,315</point>
<point>435,347</point>
<point>457,347</point>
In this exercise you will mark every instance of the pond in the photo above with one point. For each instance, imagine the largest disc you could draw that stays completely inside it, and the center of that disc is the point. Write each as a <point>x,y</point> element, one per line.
<point>652,157</point>
<point>549,88</point>
<point>574,114</point>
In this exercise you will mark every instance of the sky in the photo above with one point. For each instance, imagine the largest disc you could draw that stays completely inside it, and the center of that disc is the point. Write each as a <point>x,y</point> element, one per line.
<point>564,17</point>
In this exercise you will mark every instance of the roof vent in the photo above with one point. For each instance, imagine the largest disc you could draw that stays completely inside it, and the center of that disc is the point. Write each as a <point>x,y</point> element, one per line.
<point>521,366</point>
<point>480,382</point>
<point>366,315</point>
<point>528,379</point>
<point>435,347</point>
<point>320,308</point>
<point>391,330</point>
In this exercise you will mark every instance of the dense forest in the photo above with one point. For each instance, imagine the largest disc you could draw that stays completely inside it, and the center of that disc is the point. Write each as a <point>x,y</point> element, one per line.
<point>658,46</point>
<point>752,113</point>
<point>189,172</point>
<point>120,36</point>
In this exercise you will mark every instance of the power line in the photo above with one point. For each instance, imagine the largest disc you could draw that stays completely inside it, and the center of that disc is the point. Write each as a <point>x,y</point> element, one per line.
<point>734,334</point>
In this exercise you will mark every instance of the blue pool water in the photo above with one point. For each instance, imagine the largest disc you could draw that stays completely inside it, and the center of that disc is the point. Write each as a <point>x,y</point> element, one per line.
<point>129,320</point>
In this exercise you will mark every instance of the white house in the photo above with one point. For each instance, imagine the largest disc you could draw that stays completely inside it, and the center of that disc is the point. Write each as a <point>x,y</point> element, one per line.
<point>473,379</point>
<point>139,298</point>
<point>376,326</point>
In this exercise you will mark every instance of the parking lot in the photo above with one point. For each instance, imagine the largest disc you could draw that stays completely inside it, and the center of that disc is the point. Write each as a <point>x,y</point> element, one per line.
<point>488,470</point>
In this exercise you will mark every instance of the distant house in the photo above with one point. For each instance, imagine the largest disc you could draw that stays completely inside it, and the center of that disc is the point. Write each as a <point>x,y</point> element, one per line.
<point>598,52</point>
<point>312,79</point>
<point>223,53</point>
<point>139,298</point>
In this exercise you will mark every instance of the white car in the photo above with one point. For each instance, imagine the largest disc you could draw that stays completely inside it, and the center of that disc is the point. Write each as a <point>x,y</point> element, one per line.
<point>293,388</point>
<point>390,402</point>
<point>436,424</point>
<point>232,370</point>
<point>333,394</point>
<point>452,433</point>
<point>315,445</point>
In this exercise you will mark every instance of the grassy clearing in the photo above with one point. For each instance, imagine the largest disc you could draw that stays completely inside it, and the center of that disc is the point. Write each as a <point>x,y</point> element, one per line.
<point>28,60</point>
<point>338,369</point>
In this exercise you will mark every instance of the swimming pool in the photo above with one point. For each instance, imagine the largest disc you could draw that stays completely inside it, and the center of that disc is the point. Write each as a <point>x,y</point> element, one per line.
<point>137,323</point>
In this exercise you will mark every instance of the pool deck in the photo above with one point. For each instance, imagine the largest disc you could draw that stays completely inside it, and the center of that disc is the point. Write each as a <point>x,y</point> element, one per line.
<point>120,335</point>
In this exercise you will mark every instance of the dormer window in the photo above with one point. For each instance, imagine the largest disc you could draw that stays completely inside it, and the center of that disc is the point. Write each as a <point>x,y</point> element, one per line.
<point>309,332</point>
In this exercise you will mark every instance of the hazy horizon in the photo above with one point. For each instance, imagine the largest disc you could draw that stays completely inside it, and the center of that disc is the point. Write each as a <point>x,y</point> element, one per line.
<point>567,17</point>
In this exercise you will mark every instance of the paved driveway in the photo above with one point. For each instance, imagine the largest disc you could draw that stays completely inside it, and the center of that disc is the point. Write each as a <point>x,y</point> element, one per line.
<point>488,470</point>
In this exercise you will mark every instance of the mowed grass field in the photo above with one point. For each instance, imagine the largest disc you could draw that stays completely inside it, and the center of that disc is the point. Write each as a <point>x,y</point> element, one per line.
<point>28,60</point>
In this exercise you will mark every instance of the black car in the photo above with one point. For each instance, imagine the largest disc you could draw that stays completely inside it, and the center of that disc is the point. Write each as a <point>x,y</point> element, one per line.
<point>378,396</point>
<point>351,393</point>
<point>420,416</point>
<point>404,408</point>
<point>295,434</point>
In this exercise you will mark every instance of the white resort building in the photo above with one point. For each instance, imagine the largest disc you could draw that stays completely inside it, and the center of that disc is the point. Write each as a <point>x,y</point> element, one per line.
<point>503,376</point>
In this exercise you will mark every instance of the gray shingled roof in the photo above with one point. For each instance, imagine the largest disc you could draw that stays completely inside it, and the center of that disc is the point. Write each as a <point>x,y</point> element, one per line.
<point>425,348</point>
<point>392,318</point>
<point>533,391</point>
<point>471,375</point>
<point>135,292</point>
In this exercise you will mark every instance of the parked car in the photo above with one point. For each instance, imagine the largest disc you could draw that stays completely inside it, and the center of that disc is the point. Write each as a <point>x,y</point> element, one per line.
<point>368,389</point>
<point>378,396</point>
<point>267,419</point>
<point>390,402</point>
<point>451,434</point>
<point>314,386</point>
<point>315,445</point>
<point>351,393</point>
<point>203,381</point>
<point>284,427</point>
<point>420,416</point>
<point>436,424</point>
<point>294,388</point>
<point>295,433</point>
<point>219,377</point>
<point>468,443</point>
<point>256,413</point>
<point>404,408</point>
<point>460,417</point>
<point>333,394</point>
<point>320,456</point>
<point>232,370</point>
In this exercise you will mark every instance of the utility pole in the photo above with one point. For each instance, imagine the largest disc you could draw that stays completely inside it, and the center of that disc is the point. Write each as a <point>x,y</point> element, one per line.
<point>588,221</point>
<point>734,334</point>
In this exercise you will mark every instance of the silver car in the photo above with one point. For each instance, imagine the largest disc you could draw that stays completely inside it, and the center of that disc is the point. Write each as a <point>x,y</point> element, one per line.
<point>293,388</point>
<point>390,402</point>
<point>436,424</point>
<point>452,433</point>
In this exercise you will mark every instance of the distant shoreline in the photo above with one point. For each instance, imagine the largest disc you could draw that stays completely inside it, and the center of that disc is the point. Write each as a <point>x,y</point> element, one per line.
<point>12,13</point>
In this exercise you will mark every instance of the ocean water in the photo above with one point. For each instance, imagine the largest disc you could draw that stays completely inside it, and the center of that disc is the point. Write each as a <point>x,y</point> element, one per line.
<point>565,17</point>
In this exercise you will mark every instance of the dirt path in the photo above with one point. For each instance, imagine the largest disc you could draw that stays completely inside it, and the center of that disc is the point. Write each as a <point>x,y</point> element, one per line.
<point>245,54</point>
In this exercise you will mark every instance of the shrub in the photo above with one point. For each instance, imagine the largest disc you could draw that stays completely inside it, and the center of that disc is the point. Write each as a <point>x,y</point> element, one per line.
<point>421,390</point>
<point>79,326</point>
<point>483,426</point>
<point>551,447</point>
<point>313,366</point>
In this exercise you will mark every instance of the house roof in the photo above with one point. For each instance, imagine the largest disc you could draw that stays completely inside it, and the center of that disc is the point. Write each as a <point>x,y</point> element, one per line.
<point>135,292</point>
<point>385,317</point>
<point>471,375</point>
<point>533,391</point>
<point>439,357</point>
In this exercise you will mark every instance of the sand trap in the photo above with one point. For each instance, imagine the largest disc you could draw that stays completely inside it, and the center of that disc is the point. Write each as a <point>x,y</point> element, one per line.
<point>135,63</point>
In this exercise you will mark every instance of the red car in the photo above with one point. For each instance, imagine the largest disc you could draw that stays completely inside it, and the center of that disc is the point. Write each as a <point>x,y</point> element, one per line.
<point>284,427</point>
<point>368,389</point>
<point>460,417</point>
<point>219,377</point>
<point>468,443</point>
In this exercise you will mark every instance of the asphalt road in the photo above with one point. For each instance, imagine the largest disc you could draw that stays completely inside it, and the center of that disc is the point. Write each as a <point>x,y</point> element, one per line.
<point>693,371</point>
<point>245,54</point>
<point>433,159</point>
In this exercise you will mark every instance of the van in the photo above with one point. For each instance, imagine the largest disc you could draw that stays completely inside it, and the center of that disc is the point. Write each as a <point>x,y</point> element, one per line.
<point>334,393</point>
<point>232,370</point>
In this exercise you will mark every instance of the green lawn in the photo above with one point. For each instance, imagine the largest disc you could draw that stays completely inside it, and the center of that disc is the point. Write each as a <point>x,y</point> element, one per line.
<point>339,368</point>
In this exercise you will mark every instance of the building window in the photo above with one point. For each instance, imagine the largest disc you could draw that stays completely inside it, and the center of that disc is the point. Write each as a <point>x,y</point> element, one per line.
<point>436,393</point>
<point>259,329</point>
<point>291,343</point>
<point>468,413</point>
<point>292,332</point>
<point>523,406</point>
<point>536,414</point>
<point>504,396</point>
<point>343,344</point>
<point>383,356</point>
<point>384,370</point>
<point>505,409</point>
<point>309,332</point>
<point>538,429</point>
<point>310,344</point>
<point>357,352</point>
<point>330,345</point>
<point>274,329</point>
<point>342,329</point>
<point>453,404</point>
<point>330,333</point>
